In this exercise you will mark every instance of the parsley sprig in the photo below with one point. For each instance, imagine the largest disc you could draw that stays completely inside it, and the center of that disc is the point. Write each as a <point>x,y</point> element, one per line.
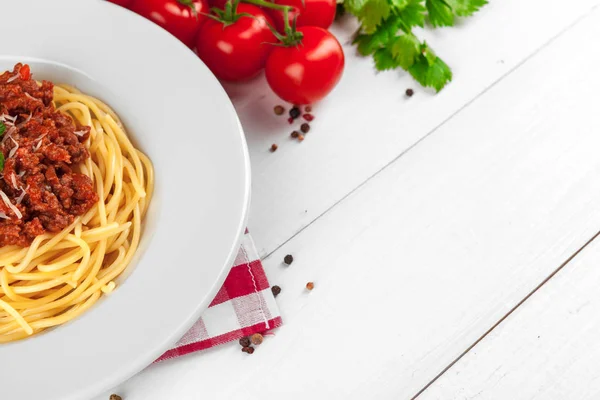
<point>386,33</point>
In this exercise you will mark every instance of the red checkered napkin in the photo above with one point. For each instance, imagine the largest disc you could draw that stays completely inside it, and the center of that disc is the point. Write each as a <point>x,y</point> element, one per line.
<point>245,305</point>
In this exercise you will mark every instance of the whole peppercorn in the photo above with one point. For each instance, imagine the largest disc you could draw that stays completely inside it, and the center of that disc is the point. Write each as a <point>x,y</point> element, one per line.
<point>273,147</point>
<point>289,259</point>
<point>275,290</point>
<point>256,339</point>
<point>307,109</point>
<point>294,112</point>
<point>279,110</point>
<point>310,286</point>
<point>115,397</point>
<point>305,127</point>
<point>308,117</point>
<point>245,341</point>
<point>410,92</point>
<point>295,134</point>
<point>300,138</point>
<point>248,349</point>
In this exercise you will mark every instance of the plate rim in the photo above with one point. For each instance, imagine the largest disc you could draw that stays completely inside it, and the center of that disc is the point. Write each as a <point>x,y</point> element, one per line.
<point>146,358</point>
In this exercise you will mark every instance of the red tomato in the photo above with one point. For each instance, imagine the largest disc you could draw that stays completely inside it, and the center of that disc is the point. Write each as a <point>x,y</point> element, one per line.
<point>25,72</point>
<point>319,13</point>
<point>122,3</point>
<point>218,3</point>
<point>306,73</point>
<point>236,51</point>
<point>176,16</point>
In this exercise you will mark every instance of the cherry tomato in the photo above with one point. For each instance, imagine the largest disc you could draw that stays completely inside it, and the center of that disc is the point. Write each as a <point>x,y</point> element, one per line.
<point>25,72</point>
<point>236,51</point>
<point>122,3</point>
<point>306,73</point>
<point>217,3</point>
<point>319,13</point>
<point>176,16</point>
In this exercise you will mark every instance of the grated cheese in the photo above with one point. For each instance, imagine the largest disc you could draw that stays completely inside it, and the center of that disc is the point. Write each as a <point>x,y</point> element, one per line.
<point>31,97</point>
<point>22,195</point>
<point>6,201</point>
<point>8,134</point>
<point>14,149</point>
<point>39,142</point>
<point>7,119</point>
<point>12,78</point>
<point>22,124</point>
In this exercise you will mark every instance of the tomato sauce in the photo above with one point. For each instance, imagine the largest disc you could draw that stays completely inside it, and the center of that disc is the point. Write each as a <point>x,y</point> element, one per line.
<point>41,190</point>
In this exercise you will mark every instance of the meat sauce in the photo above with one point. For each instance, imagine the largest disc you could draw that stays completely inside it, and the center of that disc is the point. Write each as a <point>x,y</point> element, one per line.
<point>40,188</point>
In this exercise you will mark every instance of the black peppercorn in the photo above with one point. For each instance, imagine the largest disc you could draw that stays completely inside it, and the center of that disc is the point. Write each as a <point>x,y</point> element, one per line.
<point>275,290</point>
<point>294,112</point>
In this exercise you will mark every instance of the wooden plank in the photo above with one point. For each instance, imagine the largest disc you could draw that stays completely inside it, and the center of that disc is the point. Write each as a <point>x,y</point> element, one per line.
<point>368,121</point>
<point>416,264</point>
<point>547,349</point>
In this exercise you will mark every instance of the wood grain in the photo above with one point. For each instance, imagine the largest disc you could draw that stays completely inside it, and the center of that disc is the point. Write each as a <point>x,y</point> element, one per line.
<point>547,349</point>
<point>417,263</point>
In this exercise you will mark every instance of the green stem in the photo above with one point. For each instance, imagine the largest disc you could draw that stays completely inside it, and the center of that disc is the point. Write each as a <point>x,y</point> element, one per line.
<point>228,15</point>
<point>286,20</point>
<point>190,4</point>
<point>267,4</point>
<point>292,37</point>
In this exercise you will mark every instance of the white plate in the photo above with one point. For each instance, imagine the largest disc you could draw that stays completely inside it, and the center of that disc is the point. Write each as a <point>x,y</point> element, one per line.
<point>177,113</point>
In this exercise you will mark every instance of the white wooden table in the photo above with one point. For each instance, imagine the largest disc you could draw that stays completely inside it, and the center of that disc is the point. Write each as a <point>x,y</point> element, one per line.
<point>443,232</point>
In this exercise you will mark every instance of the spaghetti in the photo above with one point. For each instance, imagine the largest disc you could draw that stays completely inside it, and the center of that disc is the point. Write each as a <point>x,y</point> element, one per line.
<point>60,275</point>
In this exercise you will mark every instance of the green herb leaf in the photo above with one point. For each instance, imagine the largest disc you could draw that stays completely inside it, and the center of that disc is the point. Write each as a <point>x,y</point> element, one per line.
<point>386,34</point>
<point>399,4</point>
<point>384,60</point>
<point>2,128</point>
<point>428,53</point>
<point>440,13</point>
<point>1,161</point>
<point>405,49</point>
<point>368,44</point>
<point>435,75</point>
<point>355,6</point>
<point>412,15</point>
<point>372,13</point>
<point>466,8</point>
